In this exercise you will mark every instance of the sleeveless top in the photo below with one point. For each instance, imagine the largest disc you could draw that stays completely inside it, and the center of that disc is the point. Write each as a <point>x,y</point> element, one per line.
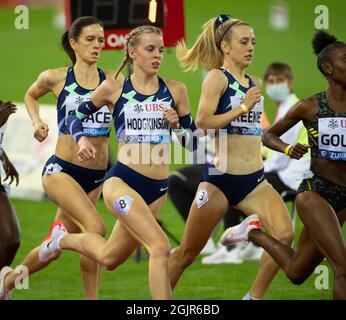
<point>248,124</point>
<point>327,132</point>
<point>72,95</point>
<point>139,118</point>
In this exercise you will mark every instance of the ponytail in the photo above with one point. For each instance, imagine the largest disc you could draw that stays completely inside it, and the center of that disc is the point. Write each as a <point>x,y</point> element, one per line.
<point>204,50</point>
<point>207,48</point>
<point>65,43</point>
<point>121,67</point>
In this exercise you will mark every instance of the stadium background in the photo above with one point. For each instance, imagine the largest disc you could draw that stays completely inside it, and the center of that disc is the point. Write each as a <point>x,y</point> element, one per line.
<point>25,53</point>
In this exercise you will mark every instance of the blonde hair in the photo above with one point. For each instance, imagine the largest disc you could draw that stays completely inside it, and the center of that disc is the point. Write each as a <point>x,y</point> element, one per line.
<point>207,48</point>
<point>132,40</point>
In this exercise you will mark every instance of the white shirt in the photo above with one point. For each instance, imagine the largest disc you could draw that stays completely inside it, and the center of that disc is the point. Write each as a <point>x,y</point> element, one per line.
<point>289,170</point>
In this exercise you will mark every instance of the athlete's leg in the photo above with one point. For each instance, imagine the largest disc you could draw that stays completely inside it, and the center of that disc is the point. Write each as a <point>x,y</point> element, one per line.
<point>31,260</point>
<point>80,209</point>
<point>121,244</point>
<point>9,231</point>
<point>298,265</point>
<point>268,205</point>
<point>325,230</point>
<point>90,269</point>
<point>199,226</point>
<point>321,234</point>
<point>139,222</point>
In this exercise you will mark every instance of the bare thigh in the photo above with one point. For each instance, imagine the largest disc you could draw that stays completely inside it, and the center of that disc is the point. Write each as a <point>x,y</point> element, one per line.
<point>73,201</point>
<point>272,211</point>
<point>202,221</point>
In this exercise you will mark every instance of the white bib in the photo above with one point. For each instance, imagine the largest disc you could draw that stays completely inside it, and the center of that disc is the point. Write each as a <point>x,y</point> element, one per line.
<point>332,138</point>
<point>95,124</point>
<point>251,119</point>
<point>145,121</point>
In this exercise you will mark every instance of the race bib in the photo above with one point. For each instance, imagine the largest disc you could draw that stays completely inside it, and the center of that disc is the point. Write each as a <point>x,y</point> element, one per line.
<point>95,124</point>
<point>145,121</point>
<point>248,123</point>
<point>332,138</point>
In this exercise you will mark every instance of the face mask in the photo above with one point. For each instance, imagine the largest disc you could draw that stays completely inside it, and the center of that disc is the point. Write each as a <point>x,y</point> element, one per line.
<point>278,92</point>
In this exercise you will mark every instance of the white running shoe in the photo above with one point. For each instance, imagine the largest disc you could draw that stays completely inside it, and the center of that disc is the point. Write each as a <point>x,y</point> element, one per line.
<point>251,252</point>
<point>239,233</point>
<point>5,294</point>
<point>209,247</point>
<point>248,297</point>
<point>50,245</point>
<point>222,255</point>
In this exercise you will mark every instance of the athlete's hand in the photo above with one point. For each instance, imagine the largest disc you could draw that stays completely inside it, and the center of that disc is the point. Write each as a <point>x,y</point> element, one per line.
<point>171,117</point>
<point>253,96</point>
<point>86,151</point>
<point>10,170</point>
<point>298,150</point>
<point>40,130</point>
<point>6,109</point>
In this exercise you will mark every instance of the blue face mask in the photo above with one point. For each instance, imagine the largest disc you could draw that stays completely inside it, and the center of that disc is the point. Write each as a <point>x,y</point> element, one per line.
<point>278,92</point>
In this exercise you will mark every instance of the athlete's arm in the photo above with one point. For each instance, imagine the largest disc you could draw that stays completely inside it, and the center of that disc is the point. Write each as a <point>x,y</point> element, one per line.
<point>271,138</point>
<point>106,94</point>
<point>103,95</point>
<point>213,87</point>
<point>186,134</point>
<point>110,74</point>
<point>6,109</point>
<point>9,169</point>
<point>45,83</point>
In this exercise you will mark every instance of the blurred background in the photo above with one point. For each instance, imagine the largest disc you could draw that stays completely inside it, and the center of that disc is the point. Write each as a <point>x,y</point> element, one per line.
<point>283,30</point>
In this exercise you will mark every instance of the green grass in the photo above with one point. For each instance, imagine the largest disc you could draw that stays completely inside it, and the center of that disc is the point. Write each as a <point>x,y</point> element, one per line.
<point>61,280</point>
<point>25,53</point>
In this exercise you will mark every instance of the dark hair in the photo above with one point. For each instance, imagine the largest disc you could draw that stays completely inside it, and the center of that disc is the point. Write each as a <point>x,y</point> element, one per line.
<point>278,68</point>
<point>74,32</point>
<point>324,44</point>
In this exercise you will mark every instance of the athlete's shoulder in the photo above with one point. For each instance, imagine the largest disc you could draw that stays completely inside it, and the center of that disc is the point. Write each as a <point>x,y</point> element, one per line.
<point>111,85</point>
<point>309,102</point>
<point>305,109</point>
<point>51,77</point>
<point>216,73</point>
<point>257,80</point>
<point>215,81</point>
<point>110,74</point>
<point>175,84</point>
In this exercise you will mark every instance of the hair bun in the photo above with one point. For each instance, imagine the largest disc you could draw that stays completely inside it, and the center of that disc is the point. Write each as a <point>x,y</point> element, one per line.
<point>321,40</point>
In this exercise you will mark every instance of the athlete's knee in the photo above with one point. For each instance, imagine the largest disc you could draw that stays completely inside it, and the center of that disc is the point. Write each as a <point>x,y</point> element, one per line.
<point>110,263</point>
<point>297,278</point>
<point>95,227</point>
<point>159,250</point>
